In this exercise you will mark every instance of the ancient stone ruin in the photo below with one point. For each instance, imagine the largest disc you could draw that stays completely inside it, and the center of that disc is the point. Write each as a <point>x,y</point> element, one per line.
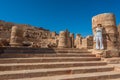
<point>32,53</point>
<point>13,35</point>
<point>26,35</point>
<point>110,32</point>
<point>16,37</point>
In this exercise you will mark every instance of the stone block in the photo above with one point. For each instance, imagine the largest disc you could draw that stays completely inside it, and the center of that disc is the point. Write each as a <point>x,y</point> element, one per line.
<point>106,53</point>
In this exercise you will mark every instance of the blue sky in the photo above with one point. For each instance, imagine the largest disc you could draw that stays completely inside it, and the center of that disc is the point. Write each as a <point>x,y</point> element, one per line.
<point>57,15</point>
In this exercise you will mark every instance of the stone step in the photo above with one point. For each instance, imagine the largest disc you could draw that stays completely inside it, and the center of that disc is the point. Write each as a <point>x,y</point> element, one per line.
<point>27,66</point>
<point>38,51</point>
<point>114,79</point>
<point>47,59</point>
<point>33,48</point>
<point>41,50</point>
<point>113,60</point>
<point>86,76</point>
<point>14,55</point>
<point>52,72</point>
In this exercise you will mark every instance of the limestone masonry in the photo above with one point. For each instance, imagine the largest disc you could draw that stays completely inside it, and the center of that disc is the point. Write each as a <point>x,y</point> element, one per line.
<point>21,35</point>
<point>16,35</point>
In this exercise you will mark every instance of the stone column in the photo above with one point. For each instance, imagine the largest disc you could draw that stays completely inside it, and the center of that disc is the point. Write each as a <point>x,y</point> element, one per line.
<point>118,36</point>
<point>84,43</point>
<point>68,39</point>
<point>16,38</point>
<point>110,33</point>
<point>87,43</point>
<point>110,30</point>
<point>53,34</point>
<point>69,42</point>
<point>72,40</point>
<point>78,41</point>
<point>62,40</point>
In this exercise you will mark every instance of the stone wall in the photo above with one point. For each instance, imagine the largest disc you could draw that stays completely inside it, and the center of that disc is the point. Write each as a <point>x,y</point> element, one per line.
<point>33,36</point>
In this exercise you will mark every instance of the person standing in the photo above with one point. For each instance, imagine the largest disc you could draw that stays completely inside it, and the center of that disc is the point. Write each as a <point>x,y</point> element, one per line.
<point>98,38</point>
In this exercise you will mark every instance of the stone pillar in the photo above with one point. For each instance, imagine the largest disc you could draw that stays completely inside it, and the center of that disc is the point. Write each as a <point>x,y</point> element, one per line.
<point>78,41</point>
<point>62,40</point>
<point>84,43</point>
<point>110,33</point>
<point>68,39</point>
<point>90,42</point>
<point>72,40</point>
<point>53,34</point>
<point>16,36</point>
<point>87,43</point>
<point>110,30</point>
<point>118,36</point>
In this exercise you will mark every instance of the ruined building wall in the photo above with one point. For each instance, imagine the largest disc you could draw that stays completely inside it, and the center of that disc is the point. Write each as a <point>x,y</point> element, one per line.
<point>40,37</point>
<point>5,29</point>
<point>31,35</point>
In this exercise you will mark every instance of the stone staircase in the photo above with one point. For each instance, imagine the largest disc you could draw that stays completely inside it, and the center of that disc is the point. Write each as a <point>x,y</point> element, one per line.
<point>53,64</point>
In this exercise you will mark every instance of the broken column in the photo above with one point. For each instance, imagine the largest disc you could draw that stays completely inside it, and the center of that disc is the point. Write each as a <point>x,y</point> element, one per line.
<point>87,43</point>
<point>72,40</point>
<point>16,38</point>
<point>62,40</point>
<point>68,39</point>
<point>78,41</point>
<point>118,28</point>
<point>110,33</point>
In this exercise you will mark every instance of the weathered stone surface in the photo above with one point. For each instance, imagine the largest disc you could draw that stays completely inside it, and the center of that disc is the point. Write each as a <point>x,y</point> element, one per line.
<point>4,42</point>
<point>16,36</point>
<point>62,40</point>
<point>32,36</point>
<point>87,43</point>
<point>118,28</point>
<point>110,34</point>
<point>115,60</point>
<point>110,30</point>
<point>44,67</point>
<point>68,40</point>
<point>65,40</point>
<point>38,36</point>
<point>72,40</point>
<point>53,34</point>
<point>106,53</point>
<point>78,41</point>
